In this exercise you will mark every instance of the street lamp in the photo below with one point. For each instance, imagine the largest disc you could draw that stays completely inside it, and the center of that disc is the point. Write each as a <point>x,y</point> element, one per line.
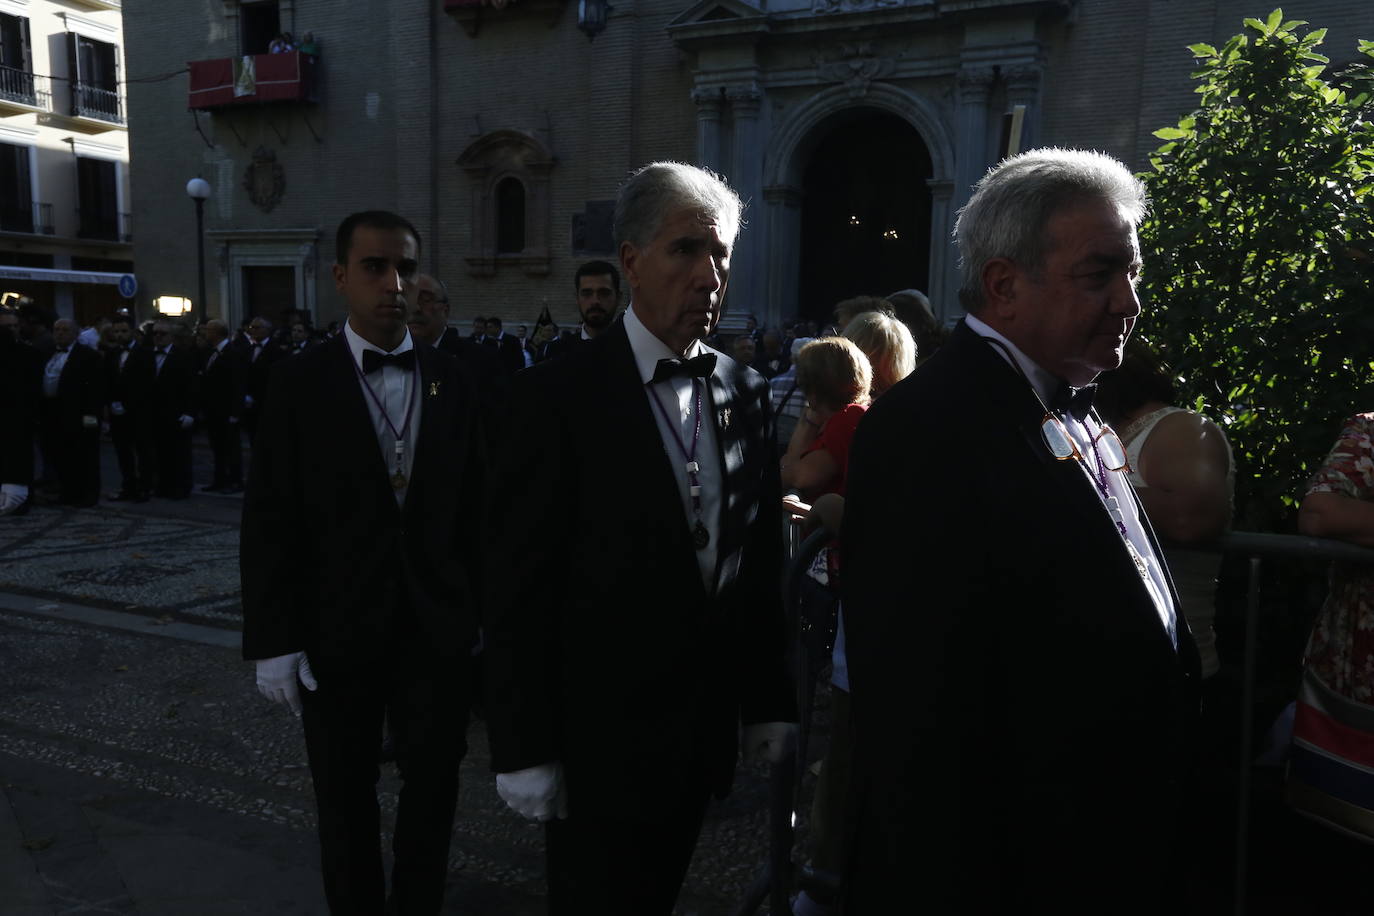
<point>198,189</point>
<point>591,16</point>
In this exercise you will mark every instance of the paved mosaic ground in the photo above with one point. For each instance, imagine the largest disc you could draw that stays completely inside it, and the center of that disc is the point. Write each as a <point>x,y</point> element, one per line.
<point>124,560</point>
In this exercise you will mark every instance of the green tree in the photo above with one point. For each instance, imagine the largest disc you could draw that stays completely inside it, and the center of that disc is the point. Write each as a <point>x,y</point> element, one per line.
<point>1259,279</point>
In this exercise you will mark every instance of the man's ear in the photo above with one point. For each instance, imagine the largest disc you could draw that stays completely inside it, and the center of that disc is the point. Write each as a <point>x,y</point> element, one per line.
<point>339,272</point>
<point>1001,283</point>
<point>629,261</point>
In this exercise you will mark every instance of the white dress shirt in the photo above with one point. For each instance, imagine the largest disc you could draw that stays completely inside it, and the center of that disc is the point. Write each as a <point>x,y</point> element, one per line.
<point>395,388</point>
<point>52,372</point>
<point>1083,433</point>
<point>677,392</point>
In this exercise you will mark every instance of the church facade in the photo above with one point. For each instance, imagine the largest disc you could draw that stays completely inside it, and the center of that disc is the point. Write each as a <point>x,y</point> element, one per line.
<point>854,129</point>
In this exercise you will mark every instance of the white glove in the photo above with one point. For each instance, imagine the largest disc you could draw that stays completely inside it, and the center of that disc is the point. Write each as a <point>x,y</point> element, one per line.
<point>186,422</point>
<point>277,679</point>
<point>536,793</point>
<point>12,496</point>
<point>89,422</point>
<point>117,408</point>
<point>769,741</point>
<point>233,420</point>
<point>247,400</point>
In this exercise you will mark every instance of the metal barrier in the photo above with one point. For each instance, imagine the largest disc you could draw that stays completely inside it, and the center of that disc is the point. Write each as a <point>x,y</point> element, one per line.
<point>1257,547</point>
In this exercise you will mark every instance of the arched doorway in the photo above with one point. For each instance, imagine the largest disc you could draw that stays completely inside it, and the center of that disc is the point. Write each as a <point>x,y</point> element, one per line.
<point>866,211</point>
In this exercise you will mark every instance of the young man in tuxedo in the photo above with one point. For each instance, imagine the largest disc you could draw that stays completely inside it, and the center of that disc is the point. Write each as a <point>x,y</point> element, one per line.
<point>1023,689</point>
<point>222,386</point>
<point>129,370</point>
<point>171,412</point>
<point>620,676</point>
<point>359,567</point>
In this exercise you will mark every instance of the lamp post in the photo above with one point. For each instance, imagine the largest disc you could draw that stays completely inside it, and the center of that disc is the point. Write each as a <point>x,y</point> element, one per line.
<point>591,16</point>
<point>198,189</point>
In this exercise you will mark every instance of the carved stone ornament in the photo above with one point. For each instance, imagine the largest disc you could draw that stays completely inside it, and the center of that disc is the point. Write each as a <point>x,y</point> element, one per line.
<point>856,65</point>
<point>850,6</point>
<point>264,180</point>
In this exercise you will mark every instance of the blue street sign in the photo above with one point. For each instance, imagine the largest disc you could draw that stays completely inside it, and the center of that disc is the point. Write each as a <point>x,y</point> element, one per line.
<point>128,286</point>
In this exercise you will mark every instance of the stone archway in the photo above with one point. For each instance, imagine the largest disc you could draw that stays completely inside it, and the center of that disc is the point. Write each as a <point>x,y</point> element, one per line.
<point>792,149</point>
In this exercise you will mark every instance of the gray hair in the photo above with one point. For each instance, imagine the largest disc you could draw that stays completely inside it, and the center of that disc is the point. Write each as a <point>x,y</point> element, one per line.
<point>663,188</point>
<point>1014,202</point>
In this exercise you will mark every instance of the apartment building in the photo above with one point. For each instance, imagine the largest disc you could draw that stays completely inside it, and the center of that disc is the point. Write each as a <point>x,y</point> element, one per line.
<point>65,230</point>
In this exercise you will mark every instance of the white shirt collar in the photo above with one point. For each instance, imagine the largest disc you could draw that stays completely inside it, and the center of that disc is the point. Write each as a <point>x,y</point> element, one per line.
<point>222,344</point>
<point>585,335</point>
<point>648,349</point>
<point>1044,381</point>
<point>356,345</point>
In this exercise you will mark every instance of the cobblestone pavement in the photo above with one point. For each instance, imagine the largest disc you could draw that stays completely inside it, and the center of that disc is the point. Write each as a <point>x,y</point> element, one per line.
<point>142,773</point>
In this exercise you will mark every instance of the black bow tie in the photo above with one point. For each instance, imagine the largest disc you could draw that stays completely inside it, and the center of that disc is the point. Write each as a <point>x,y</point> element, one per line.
<point>1077,401</point>
<point>696,367</point>
<point>372,360</point>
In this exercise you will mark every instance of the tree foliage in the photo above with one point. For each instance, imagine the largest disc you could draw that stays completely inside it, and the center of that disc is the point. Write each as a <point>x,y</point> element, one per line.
<point>1259,254</point>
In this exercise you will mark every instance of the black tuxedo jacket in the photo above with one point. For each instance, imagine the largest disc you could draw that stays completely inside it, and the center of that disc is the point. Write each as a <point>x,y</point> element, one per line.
<point>223,384</point>
<point>507,348</point>
<point>131,386</point>
<point>80,388</point>
<point>1022,724</point>
<point>259,371</point>
<point>173,390</point>
<point>21,368</point>
<point>604,650</point>
<point>325,550</point>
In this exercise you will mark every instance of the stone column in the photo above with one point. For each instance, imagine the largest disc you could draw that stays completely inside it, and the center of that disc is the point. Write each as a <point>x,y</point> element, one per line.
<point>944,257</point>
<point>971,132</point>
<point>1023,88</point>
<point>782,227</point>
<point>750,262</point>
<point>708,101</point>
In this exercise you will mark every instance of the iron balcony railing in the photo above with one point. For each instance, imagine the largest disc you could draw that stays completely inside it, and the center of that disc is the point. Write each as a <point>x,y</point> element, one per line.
<point>91,101</point>
<point>25,88</point>
<point>102,224</point>
<point>35,218</point>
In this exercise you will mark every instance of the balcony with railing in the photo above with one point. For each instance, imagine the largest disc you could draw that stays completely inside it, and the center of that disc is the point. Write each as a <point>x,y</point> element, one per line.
<point>253,78</point>
<point>93,101</point>
<point>35,219</point>
<point>21,90</point>
<point>104,225</point>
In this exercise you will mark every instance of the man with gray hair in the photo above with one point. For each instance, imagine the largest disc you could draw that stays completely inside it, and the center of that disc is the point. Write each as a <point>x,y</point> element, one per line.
<point>634,633</point>
<point>1023,699</point>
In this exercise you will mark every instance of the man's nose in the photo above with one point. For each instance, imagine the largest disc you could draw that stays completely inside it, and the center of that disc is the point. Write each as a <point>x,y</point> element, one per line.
<point>1126,301</point>
<point>708,274</point>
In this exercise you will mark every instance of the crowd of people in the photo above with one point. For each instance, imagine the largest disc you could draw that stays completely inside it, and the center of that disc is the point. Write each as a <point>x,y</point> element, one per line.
<point>581,532</point>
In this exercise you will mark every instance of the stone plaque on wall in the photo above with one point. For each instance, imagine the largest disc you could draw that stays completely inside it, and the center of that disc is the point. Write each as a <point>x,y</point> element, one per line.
<point>591,229</point>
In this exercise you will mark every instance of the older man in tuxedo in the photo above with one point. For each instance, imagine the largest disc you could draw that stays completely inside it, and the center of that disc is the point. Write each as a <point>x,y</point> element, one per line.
<point>1023,687</point>
<point>73,398</point>
<point>359,566</point>
<point>222,386</point>
<point>620,673</point>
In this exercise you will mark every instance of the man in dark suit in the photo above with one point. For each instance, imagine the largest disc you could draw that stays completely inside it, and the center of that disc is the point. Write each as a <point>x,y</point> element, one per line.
<point>506,347</point>
<point>222,386</point>
<point>21,369</point>
<point>73,397</point>
<point>596,284</point>
<point>358,566</point>
<point>429,324</point>
<point>171,412</point>
<point>1023,687</point>
<point>129,371</point>
<point>633,621</point>
<point>260,354</point>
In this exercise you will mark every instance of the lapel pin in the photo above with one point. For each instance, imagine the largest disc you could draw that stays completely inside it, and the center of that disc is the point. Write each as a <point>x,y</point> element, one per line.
<point>725,418</point>
<point>434,389</point>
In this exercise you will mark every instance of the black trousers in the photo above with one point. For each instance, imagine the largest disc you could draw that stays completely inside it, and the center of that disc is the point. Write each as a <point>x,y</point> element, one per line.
<point>423,698</point>
<point>71,452</point>
<point>228,451</point>
<point>173,458</point>
<point>133,450</point>
<point>619,867</point>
